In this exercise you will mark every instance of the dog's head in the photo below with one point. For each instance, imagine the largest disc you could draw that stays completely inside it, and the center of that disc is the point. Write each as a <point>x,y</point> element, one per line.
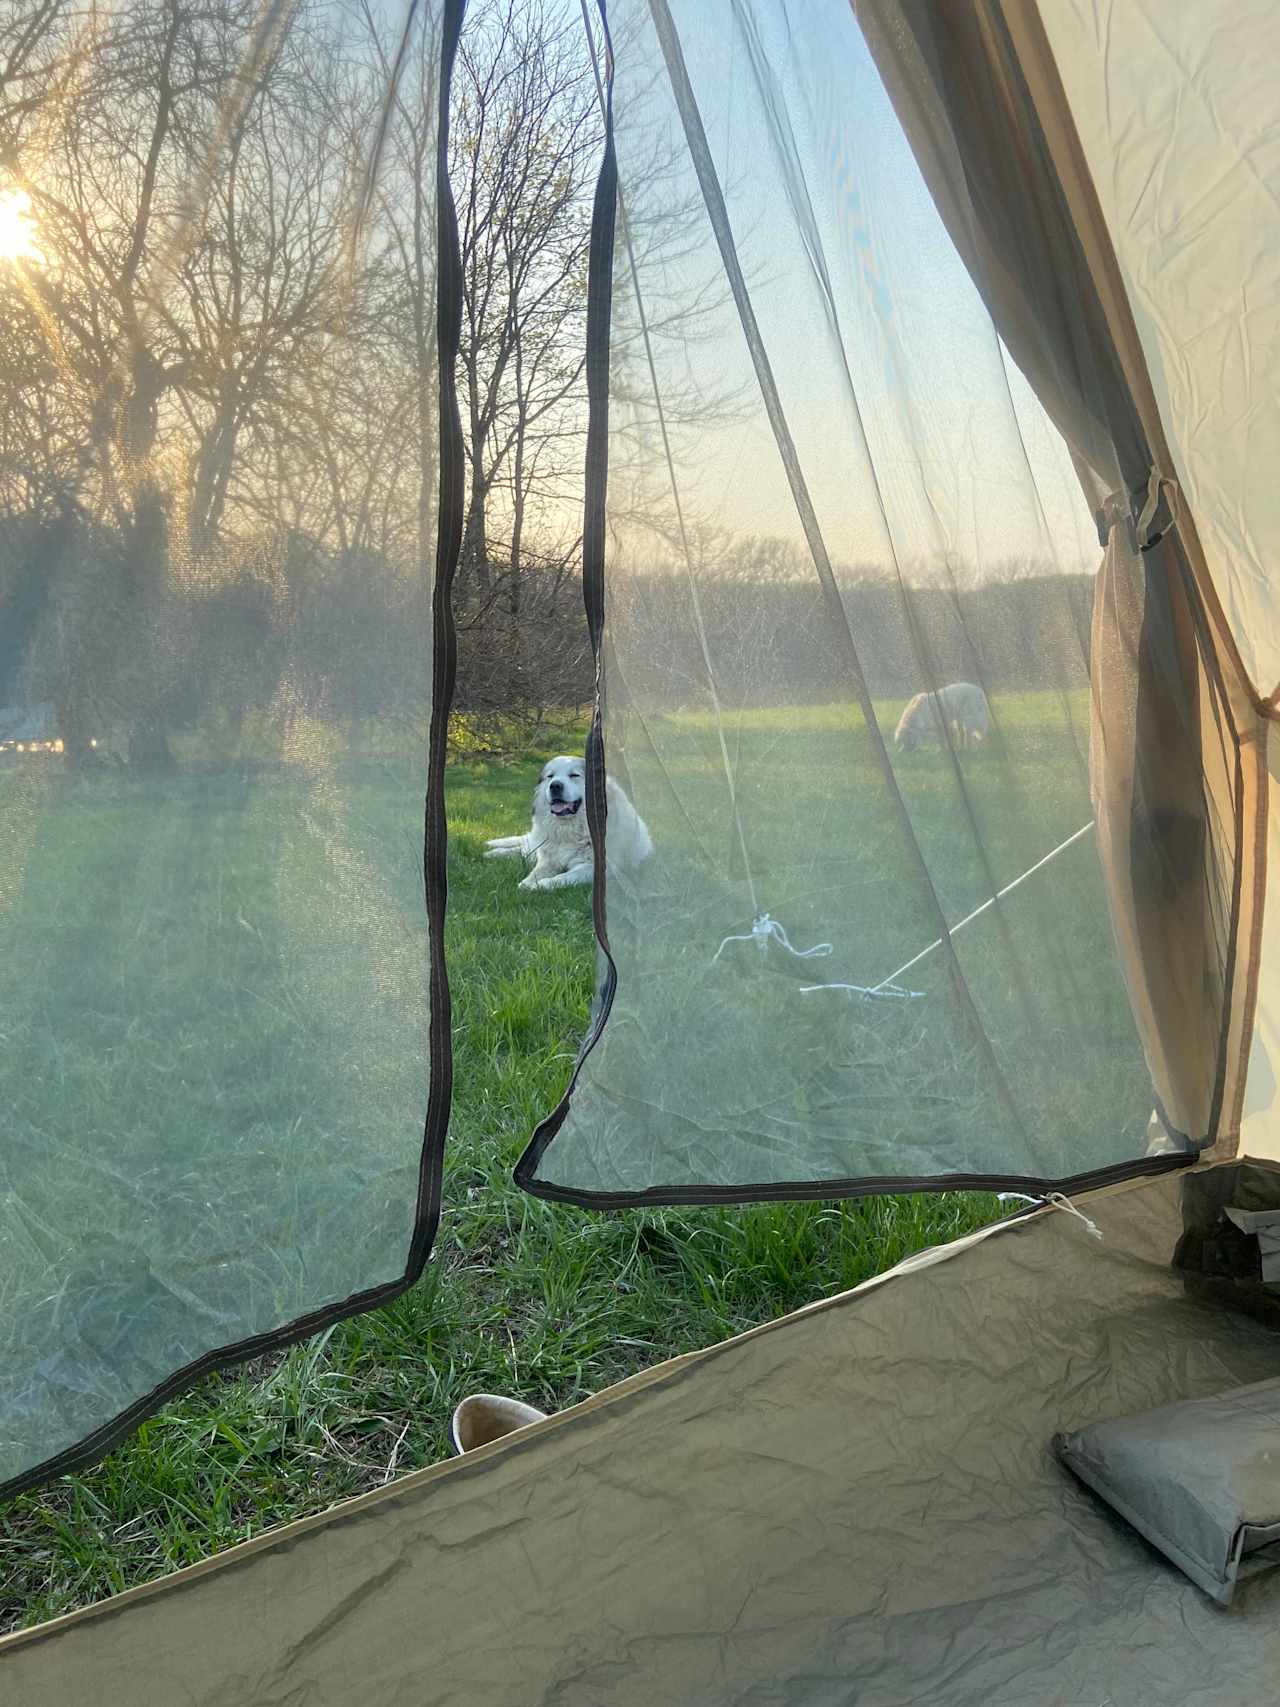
<point>906,737</point>
<point>563,786</point>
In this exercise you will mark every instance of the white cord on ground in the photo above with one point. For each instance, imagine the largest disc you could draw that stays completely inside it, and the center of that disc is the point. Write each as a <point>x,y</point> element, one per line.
<point>890,987</point>
<point>762,929</point>
<point>894,992</point>
<point>766,929</point>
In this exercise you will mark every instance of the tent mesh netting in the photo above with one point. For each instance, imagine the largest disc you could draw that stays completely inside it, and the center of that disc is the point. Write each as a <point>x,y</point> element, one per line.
<point>868,437</point>
<point>951,772</point>
<point>221,482</point>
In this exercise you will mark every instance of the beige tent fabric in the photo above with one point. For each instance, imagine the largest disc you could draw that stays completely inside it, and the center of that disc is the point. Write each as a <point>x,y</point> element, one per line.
<point>1260,1129</point>
<point>1233,719</point>
<point>856,1503</point>
<point>955,94</point>
<point>1175,109</point>
<point>1142,730</point>
<point>1176,759</point>
<point>1196,339</point>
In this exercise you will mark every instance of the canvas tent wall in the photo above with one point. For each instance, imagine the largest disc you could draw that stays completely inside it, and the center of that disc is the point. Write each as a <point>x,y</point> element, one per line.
<point>861,1498</point>
<point>1203,219</point>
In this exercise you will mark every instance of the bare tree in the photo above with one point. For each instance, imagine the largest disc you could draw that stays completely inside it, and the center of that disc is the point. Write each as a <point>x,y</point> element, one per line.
<point>526,143</point>
<point>407,214</point>
<point>229,405</point>
<point>193,185</point>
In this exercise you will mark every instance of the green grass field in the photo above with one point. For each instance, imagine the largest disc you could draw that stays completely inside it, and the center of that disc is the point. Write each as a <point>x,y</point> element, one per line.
<point>764,1082</point>
<point>144,987</point>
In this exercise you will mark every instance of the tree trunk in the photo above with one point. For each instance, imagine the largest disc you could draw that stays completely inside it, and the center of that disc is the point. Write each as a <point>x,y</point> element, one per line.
<point>75,731</point>
<point>475,538</point>
<point>143,635</point>
<point>428,478</point>
<point>149,747</point>
<point>516,679</point>
<point>213,473</point>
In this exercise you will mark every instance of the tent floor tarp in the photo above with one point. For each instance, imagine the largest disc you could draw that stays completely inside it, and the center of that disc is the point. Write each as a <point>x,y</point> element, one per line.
<point>857,1503</point>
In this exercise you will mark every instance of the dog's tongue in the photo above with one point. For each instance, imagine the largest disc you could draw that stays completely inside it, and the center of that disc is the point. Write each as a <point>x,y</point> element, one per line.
<point>561,809</point>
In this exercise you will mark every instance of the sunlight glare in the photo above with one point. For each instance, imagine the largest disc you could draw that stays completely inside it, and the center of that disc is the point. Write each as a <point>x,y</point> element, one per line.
<point>17,229</point>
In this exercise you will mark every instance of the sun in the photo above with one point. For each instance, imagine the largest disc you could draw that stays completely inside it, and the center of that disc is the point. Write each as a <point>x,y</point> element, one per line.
<point>17,229</point>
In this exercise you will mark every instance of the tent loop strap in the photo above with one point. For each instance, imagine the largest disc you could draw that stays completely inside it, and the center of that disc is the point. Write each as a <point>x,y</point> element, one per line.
<point>1158,485</point>
<point>1139,511</point>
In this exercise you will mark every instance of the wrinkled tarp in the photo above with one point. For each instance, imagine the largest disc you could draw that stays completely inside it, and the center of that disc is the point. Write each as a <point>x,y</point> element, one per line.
<point>856,1503</point>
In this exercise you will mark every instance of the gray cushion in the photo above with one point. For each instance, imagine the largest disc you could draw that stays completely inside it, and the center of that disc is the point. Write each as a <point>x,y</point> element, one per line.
<point>1201,1480</point>
<point>1264,1226</point>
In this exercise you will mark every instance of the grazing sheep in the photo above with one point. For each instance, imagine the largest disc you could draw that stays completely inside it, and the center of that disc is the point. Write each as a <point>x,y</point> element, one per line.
<point>960,707</point>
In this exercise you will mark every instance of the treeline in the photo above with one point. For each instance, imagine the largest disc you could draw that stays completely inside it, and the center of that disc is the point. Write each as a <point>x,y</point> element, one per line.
<point>343,633</point>
<point>774,641</point>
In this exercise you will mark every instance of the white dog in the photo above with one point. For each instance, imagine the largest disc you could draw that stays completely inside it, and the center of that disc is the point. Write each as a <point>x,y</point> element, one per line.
<point>960,707</point>
<point>559,842</point>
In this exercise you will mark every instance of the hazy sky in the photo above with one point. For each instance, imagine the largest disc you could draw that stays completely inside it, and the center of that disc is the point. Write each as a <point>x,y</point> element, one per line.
<point>912,425</point>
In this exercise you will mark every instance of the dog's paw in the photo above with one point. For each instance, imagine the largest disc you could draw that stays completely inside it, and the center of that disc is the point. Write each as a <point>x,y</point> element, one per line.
<point>529,883</point>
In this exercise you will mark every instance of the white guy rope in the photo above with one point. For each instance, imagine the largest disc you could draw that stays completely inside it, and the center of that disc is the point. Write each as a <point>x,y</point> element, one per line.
<point>977,911</point>
<point>890,987</point>
<point>887,989</point>
<point>1060,1202</point>
<point>1057,1201</point>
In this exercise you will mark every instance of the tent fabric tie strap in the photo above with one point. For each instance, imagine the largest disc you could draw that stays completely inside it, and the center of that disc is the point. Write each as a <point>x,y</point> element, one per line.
<point>1059,1201</point>
<point>1140,511</point>
<point>1159,485</point>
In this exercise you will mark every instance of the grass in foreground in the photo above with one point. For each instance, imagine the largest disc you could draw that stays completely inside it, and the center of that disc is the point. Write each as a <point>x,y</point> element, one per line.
<point>545,1302</point>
